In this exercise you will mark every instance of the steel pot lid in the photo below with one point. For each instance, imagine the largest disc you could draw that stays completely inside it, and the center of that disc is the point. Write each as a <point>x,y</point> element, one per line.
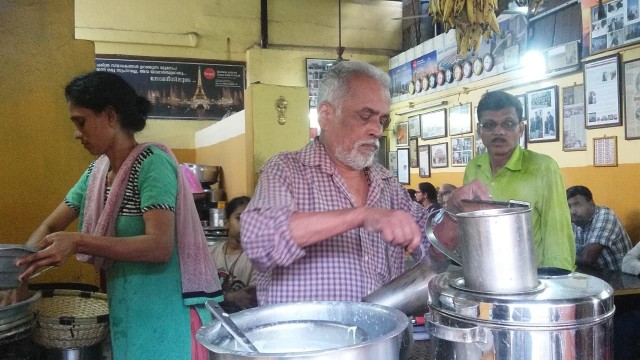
<point>557,301</point>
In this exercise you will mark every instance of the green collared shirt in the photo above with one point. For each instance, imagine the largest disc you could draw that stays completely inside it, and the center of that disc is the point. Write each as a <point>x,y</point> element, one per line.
<point>536,179</point>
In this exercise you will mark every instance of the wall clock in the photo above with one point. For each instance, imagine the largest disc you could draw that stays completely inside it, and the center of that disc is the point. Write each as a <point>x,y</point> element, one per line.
<point>488,62</point>
<point>478,66</point>
<point>457,72</point>
<point>441,78</point>
<point>467,69</point>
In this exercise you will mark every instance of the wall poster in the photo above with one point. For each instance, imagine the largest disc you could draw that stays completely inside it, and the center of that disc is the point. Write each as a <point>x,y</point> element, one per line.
<point>632,99</point>
<point>574,133</point>
<point>316,68</point>
<point>424,168</point>
<point>461,150</point>
<point>403,166</point>
<point>542,109</point>
<point>182,89</point>
<point>602,91</point>
<point>605,151</point>
<point>413,152</point>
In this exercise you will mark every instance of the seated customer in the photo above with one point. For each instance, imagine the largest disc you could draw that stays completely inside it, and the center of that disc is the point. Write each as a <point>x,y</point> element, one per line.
<point>235,270</point>
<point>601,240</point>
<point>445,193</point>
<point>631,261</point>
<point>427,195</point>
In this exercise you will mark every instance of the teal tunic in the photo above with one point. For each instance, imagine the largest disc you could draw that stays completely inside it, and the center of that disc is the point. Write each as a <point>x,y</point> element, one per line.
<point>148,318</point>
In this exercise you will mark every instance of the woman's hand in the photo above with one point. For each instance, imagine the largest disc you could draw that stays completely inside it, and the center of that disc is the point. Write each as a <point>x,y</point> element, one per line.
<point>55,250</point>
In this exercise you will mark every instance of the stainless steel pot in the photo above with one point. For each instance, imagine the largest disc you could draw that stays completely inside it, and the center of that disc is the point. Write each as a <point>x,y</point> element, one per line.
<point>336,330</point>
<point>9,272</point>
<point>569,317</point>
<point>496,246</point>
<point>207,174</point>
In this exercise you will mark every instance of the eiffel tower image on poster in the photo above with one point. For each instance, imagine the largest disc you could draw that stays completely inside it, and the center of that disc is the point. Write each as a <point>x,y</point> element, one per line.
<point>199,99</point>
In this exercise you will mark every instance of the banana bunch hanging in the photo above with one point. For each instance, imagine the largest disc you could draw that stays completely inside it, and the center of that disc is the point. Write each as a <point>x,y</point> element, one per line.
<point>472,19</point>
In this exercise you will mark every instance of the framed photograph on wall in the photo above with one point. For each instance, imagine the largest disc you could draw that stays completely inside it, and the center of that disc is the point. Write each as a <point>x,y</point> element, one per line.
<point>574,133</point>
<point>632,99</point>
<point>605,151</point>
<point>461,150</point>
<point>393,163</point>
<point>316,68</point>
<point>460,119</point>
<point>413,152</point>
<point>602,92</point>
<point>403,166</point>
<point>381,155</point>
<point>424,161</point>
<point>542,112</point>
<point>433,124</point>
<point>523,101</point>
<point>402,131</point>
<point>439,155</point>
<point>414,126</point>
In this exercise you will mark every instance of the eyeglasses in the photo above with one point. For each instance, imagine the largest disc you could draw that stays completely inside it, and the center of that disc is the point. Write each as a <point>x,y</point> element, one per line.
<point>492,125</point>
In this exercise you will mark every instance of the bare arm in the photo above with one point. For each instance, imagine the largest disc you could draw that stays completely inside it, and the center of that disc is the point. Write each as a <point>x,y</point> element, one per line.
<point>58,220</point>
<point>154,246</point>
<point>396,227</point>
<point>589,254</point>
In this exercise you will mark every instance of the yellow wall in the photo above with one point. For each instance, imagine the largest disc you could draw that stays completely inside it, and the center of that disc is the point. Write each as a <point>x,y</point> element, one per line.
<point>231,155</point>
<point>265,136</point>
<point>40,159</point>
<point>610,185</point>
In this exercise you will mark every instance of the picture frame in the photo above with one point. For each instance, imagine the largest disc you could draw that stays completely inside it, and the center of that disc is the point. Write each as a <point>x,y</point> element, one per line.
<point>461,150</point>
<point>433,125</point>
<point>403,166</point>
<point>542,112</point>
<point>480,148</point>
<point>414,126</point>
<point>383,149</point>
<point>574,133</point>
<point>602,92</point>
<point>424,161</point>
<point>631,73</point>
<point>439,155</point>
<point>605,151</point>
<point>316,68</point>
<point>402,134</point>
<point>460,119</point>
<point>413,152</point>
<point>393,163</point>
<point>523,101</point>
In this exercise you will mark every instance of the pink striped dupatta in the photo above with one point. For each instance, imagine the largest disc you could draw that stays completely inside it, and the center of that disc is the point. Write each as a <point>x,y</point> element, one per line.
<point>198,271</point>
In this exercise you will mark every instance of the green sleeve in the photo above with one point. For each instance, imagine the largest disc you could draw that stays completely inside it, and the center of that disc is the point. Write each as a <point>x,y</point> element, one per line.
<point>158,182</point>
<point>559,248</point>
<point>75,197</point>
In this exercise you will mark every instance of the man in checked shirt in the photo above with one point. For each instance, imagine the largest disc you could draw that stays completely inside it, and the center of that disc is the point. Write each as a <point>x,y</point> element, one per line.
<point>601,240</point>
<point>326,222</point>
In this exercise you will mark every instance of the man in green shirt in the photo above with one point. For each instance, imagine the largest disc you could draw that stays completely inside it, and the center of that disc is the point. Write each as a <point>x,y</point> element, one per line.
<point>509,172</point>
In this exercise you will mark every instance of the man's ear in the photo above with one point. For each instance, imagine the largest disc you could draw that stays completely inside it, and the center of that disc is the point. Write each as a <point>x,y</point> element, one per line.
<point>326,112</point>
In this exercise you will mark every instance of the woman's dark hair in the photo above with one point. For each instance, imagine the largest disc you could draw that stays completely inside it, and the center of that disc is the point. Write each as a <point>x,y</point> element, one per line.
<point>412,194</point>
<point>429,190</point>
<point>234,204</point>
<point>98,90</point>
<point>498,100</point>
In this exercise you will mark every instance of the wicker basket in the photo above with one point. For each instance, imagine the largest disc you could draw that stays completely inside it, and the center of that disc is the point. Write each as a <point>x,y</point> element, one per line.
<point>71,319</point>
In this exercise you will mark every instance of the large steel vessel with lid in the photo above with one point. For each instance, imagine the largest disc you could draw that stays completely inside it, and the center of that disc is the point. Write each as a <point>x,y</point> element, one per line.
<point>565,317</point>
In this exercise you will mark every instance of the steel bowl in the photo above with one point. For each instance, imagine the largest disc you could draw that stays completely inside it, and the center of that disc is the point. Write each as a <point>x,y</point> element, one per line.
<point>9,272</point>
<point>337,330</point>
<point>208,174</point>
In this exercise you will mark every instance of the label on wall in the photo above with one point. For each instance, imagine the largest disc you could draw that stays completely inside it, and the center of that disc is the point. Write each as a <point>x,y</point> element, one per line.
<point>183,89</point>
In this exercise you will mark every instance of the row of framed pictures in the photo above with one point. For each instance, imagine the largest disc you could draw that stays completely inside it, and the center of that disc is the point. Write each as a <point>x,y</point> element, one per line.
<point>433,125</point>
<point>595,104</point>
<point>427,157</point>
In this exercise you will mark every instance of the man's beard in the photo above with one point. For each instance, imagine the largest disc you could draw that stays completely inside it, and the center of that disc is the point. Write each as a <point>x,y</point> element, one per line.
<point>353,158</point>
